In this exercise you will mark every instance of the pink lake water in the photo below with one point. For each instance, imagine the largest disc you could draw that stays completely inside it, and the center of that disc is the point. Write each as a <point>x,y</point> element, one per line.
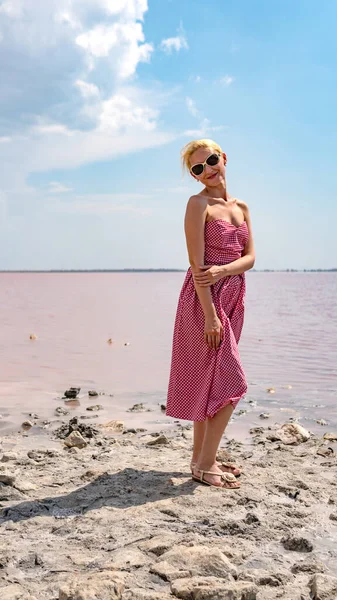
<point>288,343</point>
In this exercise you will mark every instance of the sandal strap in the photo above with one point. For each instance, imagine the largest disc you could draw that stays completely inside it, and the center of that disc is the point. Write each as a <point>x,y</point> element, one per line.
<point>228,477</point>
<point>229,465</point>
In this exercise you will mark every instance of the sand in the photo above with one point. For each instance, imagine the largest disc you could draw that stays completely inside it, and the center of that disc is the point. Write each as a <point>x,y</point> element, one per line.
<point>120,517</point>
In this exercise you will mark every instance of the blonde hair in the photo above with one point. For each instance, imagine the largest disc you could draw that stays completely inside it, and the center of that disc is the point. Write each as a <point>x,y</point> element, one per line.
<point>191,147</point>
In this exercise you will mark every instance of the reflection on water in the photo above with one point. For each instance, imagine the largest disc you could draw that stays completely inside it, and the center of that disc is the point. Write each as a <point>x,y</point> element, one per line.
<point>288,343</point>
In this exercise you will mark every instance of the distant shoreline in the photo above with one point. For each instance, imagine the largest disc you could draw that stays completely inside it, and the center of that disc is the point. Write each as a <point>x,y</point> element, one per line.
<point>159,271</point>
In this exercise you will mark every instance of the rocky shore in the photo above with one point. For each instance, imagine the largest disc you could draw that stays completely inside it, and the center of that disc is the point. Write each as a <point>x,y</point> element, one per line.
<point>107,513</point>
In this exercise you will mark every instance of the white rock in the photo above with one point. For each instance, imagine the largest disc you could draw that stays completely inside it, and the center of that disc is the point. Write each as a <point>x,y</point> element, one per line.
<point>7,477</point>
<point>292,433</point>
<point>75,439</point>
<point>113,425</point>
<point>7,456</point>
<point>196,560</point>
<point>332,437</point>
<point>212,588</point>
<point>323,587</point>
<point>102,586</point>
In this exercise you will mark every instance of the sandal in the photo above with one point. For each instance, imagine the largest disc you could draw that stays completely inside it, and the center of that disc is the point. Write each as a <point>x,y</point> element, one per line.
<point>225,477</point>
<point>233,469</point>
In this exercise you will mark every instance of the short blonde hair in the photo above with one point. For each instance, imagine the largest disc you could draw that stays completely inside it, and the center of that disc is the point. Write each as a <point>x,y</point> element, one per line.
<point>191,147</point>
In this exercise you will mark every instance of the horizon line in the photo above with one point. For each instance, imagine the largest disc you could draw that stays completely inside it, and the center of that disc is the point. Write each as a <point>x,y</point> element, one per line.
<point>156,270</point>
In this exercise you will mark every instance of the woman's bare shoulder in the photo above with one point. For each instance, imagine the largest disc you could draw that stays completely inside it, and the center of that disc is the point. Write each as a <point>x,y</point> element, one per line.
<point>197,203</point>
<point>241,204</point>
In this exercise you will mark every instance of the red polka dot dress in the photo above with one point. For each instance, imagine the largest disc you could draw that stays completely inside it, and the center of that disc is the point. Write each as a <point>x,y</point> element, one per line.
<point>204,380</point>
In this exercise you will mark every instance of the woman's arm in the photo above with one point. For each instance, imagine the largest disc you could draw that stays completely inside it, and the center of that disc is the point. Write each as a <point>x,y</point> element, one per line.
<point>210,274</point>
<point>247,259</point>
<point>194,231</point>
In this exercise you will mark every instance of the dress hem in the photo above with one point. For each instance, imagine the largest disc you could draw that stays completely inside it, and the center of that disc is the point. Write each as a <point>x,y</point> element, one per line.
<point>234,401</point>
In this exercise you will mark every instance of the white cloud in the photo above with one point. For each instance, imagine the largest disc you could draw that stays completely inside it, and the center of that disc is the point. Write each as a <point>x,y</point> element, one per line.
<point>99,204</point>
<point>88,90</point>
<point>50,129</point>
<point>12,8</point>
<point>72,148</point>
<point>119,112</point>
<point>55,187</point>
<point>132,9</point>
<point>67,18</point>
<point>72,107</point>
<point>195,78</point>
<point>67,100</point>
<point>204,129</point>
<point>176,43</point>
<point>226,80</point>
<point>127,38</point>
<point>191,107</point>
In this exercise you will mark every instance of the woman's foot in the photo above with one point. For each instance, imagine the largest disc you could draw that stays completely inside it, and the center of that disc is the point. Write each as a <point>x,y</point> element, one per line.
<point>215,477</point>
<point>225,468</point>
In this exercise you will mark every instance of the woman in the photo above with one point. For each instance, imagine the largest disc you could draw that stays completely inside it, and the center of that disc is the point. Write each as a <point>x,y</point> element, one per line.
<point>207,380</point>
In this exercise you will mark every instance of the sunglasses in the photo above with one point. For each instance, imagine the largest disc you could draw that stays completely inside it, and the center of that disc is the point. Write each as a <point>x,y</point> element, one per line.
<point>211,161</point>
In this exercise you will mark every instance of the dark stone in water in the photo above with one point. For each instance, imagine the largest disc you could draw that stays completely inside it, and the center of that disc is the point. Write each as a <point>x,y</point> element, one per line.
<point>89,417</point>
<point>92,393</point>
<point>72,392</point>
<point>33,415</point>
<point>138,408</point>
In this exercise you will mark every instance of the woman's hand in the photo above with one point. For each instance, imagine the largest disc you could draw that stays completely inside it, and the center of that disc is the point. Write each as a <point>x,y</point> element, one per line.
<point>213,332</point>
<point>210,275</point>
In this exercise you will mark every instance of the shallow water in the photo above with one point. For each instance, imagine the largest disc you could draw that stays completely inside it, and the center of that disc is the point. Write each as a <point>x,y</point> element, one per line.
<point>288,343</point>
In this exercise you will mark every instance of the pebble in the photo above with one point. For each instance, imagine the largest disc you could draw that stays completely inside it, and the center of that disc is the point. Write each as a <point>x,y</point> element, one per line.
<point>33,415</point>
<point>84,417</point>
<point>332,437</point>
<point>325,451</point>
<point>292,434</point>
<point>75,439</point>
<point>113,425</point>
<point>95,407</point>
<point>158,441</point>
<point>7,477</point>
<point>92,393</point>
<point>27,424</point>
<point>265,416</point>
<point>72,392</point>
<point>138,408</point>
<point>8,456</point>
<point>61,410</point>
<point>323,587</point>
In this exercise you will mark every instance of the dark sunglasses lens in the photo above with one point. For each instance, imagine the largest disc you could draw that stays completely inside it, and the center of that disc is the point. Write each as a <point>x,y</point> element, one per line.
<point>213,160</point>
<point>197,170</point>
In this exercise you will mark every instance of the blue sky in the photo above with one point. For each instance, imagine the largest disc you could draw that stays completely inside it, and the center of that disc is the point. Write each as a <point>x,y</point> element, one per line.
<point>98,97</point>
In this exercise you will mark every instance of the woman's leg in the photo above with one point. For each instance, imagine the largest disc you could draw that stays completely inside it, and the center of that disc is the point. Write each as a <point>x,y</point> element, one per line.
<point>214,430</point>
<point>199,428</point>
